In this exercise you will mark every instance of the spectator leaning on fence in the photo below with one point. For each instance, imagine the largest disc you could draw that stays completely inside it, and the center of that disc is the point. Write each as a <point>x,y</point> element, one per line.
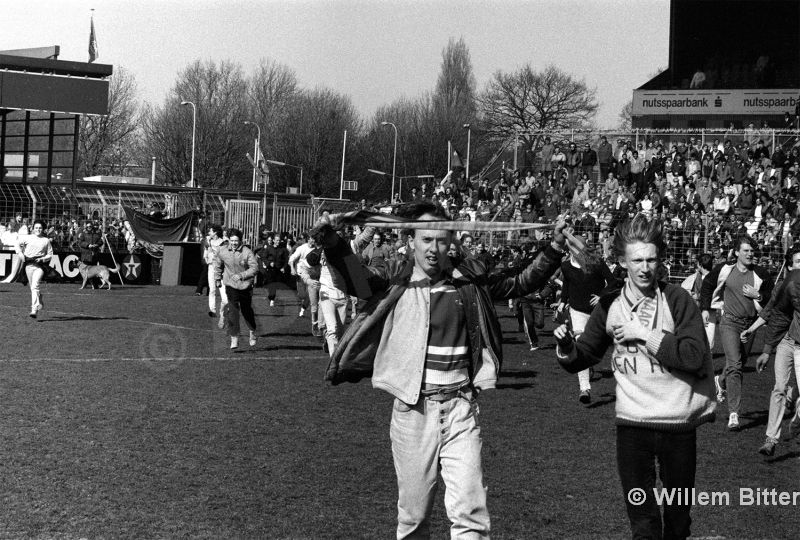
<point>662,365</point>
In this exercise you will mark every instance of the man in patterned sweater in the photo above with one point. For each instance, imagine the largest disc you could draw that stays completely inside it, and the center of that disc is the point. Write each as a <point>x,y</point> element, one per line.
<point>662,365</point>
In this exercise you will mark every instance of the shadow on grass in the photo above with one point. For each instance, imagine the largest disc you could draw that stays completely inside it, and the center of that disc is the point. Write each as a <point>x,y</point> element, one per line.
<point>82,318</point>
<point>754,419</point>
<point>286,334</point>
<point>293,348</point>
<point>605,399</point>
<point>513,386</point>
<point>790,455</point>
<point>524,374</point>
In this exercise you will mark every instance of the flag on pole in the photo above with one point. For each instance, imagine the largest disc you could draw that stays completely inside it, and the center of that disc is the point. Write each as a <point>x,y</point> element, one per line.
<point>261,163</point>
<point>455,160</point>
<point>93,52</point>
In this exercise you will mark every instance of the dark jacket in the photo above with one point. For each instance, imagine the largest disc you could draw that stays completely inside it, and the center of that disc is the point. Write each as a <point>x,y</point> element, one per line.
<point>89,255</point>
<point>354,357</point>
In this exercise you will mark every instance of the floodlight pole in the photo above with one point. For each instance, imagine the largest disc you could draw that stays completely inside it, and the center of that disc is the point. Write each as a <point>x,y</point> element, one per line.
<point>194,131</point>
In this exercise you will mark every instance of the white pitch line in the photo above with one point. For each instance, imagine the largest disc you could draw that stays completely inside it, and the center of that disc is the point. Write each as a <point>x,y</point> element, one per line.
<point>234,356</point>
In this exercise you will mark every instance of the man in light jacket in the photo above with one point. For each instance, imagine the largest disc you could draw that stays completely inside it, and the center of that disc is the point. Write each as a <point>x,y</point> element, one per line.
<point>429,336</point>
<point>235,266</point>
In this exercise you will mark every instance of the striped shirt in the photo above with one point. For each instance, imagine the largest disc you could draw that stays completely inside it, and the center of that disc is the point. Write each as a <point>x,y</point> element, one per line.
<point>447,359</point>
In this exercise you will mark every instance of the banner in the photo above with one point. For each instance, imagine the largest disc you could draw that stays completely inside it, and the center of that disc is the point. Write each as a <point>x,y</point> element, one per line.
<point>134,268</point>
<point>722,102</point>
<point>158,231</point>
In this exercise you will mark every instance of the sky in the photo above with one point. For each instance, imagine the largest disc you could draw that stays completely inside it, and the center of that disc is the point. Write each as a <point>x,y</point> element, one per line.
<point>374,51</point>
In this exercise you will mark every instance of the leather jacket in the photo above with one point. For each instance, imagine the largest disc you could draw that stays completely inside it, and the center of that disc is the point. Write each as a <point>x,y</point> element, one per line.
<point>388,338</point>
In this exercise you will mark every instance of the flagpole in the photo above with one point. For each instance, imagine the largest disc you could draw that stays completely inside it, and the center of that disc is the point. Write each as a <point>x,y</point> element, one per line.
<point>341,180</point>
<point>92,39</point>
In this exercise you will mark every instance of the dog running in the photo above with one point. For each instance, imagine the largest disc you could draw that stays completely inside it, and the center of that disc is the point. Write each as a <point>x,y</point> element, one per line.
<point>100,271</point>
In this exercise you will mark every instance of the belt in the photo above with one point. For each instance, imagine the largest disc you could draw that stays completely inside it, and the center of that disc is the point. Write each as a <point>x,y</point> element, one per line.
<point>741,320</point>
<point>446,394</point>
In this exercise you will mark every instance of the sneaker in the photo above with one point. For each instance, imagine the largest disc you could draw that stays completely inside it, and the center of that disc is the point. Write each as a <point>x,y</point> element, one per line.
<point>721,392</point>
<point>272,303</point>
<point>253,338</point>
<point>33,313</point>
<point>768,448</point>
<point>302,312</point>
<point>198,294</point>
<point>315,331</point>
<point>234,342</point>
<point>733,422</point>
<point>794,431</point>
<point>534,346</point>
<point>212,314</point>
<point>585,396</point>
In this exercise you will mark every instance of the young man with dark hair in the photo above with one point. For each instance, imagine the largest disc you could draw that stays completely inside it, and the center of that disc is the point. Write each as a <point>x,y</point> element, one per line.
<point>235,267</point>
<point>737,289</point>
<point>783,396</point>
<point>662,365</point>
<point>429,335</point>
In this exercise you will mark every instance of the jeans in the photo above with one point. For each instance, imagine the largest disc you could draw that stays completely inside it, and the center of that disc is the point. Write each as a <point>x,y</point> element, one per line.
<point>736,353</point>
<point>787,355</point>
<point>312,288</point>
<point>638,449</point>
<point>425,437</point>
<point>212,292</point>
<point>579,320</point>
<point>202,281</point>
<point>302,293</point>
<point>334,312</point>
<point>35,273</point>
<point>239,300</point>
<point>530,315</point>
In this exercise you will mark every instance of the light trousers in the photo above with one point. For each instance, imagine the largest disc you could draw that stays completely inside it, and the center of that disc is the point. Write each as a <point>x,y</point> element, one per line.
<point>35,275</point>
<point>787,356</point>
<point>579,320</point>
<point>212,292</point>
<point>425,437</point>
<point>334,313</point>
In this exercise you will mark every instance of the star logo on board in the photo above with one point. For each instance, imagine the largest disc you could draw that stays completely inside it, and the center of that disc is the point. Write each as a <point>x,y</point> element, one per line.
<point>133,266</point>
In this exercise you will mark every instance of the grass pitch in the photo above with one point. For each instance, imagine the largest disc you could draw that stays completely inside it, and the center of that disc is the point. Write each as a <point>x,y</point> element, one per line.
<point>124,414</point>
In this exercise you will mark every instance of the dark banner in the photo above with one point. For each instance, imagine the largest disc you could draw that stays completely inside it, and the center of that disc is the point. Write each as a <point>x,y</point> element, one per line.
<point>134,268</point>
<point>158,231</point>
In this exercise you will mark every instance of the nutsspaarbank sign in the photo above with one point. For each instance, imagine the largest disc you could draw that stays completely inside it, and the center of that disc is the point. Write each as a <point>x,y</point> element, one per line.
<point>723,102</point>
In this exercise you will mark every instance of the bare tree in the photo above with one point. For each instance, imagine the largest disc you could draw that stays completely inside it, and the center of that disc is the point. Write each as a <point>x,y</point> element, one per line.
<point>271,90</point>
<point>453,101</point>
<point>312,136</point>
<point>529,101</point>
<point>625,116</point>
<point>105,143</point>
<point>219,93</point>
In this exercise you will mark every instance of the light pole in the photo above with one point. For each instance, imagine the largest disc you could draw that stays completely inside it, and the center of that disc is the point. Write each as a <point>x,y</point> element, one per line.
<point>194,126</point>
<point>469,137</point>
<point>282,164</point>
<point>394,162</point>
<point>256,152</point>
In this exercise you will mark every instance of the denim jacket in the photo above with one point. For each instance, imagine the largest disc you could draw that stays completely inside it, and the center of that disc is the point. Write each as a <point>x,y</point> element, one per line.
<point>389,337</point>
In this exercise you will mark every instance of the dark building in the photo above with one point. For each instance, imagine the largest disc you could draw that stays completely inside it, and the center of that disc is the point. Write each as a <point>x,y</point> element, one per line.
<point>730,62</point>
<point>41,102</point>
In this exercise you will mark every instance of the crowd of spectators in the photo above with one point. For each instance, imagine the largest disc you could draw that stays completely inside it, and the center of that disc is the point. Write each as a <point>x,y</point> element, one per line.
<point>706,193</point>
